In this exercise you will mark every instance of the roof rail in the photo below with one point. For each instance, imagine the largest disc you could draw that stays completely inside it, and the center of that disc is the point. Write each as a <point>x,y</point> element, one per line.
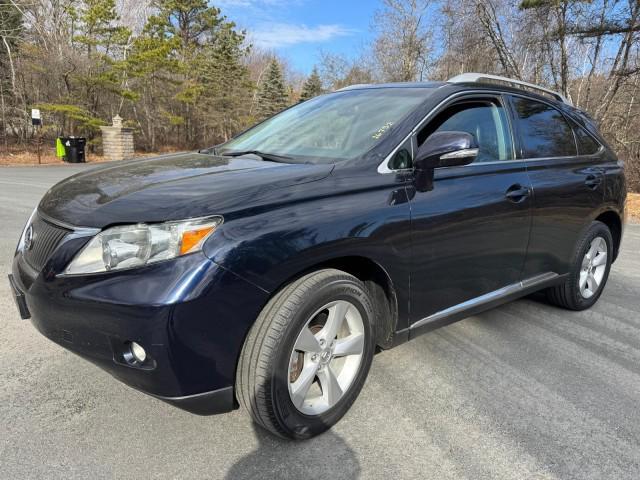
<point>355,85</point>
<point>477,77</point>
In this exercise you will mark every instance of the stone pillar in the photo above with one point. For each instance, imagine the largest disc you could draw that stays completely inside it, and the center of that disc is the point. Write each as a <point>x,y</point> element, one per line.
<point>117,141</point>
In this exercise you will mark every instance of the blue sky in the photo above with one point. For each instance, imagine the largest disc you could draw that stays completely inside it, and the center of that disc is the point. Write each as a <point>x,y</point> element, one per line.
<point>299,29</point>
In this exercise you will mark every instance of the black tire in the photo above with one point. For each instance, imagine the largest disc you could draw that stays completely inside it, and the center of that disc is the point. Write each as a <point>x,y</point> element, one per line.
<point>567,294</point>
<point>262,382</point>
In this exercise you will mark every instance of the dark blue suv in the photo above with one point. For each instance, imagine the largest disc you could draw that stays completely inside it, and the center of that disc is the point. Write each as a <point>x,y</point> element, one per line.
<point>267,271</point>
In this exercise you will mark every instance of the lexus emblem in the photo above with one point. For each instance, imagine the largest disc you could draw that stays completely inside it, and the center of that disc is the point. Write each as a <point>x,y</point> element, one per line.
<point>28,238</point>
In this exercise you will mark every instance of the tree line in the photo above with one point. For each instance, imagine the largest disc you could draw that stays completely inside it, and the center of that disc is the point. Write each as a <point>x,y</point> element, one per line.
<point>183,75</point>
<point>177,71</point>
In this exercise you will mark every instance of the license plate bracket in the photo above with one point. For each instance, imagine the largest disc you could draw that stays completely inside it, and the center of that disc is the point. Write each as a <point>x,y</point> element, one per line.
<point>20,299</point>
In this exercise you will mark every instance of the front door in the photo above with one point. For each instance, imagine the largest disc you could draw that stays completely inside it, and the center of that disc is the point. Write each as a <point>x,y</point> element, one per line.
<point>471,228</point>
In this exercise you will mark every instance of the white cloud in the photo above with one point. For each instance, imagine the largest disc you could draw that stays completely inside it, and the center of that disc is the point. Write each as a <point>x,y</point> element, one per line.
<point>285,34</point>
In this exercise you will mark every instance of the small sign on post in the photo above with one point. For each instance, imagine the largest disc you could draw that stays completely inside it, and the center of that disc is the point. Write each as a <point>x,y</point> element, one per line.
<point>36,119</point>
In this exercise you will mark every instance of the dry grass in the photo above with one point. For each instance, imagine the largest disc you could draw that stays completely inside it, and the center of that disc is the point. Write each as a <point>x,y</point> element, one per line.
<point>48,157</point>
<point>24,156</point>
<point>633,207</point>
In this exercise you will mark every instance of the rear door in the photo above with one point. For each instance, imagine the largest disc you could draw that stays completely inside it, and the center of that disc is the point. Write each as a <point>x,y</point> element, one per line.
<point>470,229</point>
<point>568,184</point>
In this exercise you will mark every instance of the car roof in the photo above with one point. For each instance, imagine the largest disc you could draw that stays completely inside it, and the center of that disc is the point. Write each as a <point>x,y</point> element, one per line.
<point>461,86</point>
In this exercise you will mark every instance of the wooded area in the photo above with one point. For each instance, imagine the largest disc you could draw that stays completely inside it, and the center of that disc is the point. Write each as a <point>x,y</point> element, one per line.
<point>184,76</point>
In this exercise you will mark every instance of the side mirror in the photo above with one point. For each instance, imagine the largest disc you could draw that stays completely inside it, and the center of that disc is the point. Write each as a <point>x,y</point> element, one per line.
<point>446,149</point>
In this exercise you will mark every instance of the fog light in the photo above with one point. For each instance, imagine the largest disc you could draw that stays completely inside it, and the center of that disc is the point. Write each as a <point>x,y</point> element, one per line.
<point>138,352</point>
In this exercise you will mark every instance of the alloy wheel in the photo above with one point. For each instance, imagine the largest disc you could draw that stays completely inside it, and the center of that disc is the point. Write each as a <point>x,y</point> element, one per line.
<point>326,357</point>
<point>594,265</point>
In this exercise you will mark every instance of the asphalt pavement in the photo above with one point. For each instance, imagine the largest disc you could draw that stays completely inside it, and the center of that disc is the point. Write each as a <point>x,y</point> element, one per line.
<point>524,391</point>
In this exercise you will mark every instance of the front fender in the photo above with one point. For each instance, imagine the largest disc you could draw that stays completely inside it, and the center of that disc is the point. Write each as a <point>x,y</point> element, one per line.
<point>359,216</point>
<point>267,259</point>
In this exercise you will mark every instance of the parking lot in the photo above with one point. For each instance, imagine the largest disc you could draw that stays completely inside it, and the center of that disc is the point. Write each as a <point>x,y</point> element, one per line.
<point>524,391</point>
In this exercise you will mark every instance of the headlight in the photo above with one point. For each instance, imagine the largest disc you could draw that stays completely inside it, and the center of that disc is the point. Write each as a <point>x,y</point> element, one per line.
<point>132,246</point>
<point>20,246</point>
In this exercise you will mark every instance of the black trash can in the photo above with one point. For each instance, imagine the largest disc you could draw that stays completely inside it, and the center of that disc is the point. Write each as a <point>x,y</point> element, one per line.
<point>74,149</point>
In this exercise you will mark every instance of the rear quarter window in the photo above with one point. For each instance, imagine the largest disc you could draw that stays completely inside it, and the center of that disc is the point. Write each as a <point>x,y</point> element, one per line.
<point>543,130</point>
<point>587,145</point>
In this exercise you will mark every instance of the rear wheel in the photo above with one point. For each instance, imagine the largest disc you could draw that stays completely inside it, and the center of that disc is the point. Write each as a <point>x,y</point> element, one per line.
<point>589,270</point>
<point>308,354</point>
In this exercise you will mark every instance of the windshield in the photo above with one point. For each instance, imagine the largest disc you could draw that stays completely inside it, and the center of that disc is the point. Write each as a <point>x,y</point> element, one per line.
<point>330,128</point>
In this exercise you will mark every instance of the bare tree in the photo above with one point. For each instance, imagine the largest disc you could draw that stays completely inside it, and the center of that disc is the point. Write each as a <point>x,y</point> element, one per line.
<point>403,46</point>
<point>489,20</point>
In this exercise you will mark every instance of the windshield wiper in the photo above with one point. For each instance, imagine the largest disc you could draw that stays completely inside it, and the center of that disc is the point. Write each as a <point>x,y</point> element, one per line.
<point>272,157</point>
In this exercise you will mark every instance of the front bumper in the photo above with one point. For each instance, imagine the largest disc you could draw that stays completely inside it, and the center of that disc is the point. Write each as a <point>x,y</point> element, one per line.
<point>190,314</point>
<point>208,403</point>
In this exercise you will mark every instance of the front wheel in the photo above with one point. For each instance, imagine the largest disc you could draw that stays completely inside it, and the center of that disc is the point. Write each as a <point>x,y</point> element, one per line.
<point>589,270</point>
<point>307,356</point>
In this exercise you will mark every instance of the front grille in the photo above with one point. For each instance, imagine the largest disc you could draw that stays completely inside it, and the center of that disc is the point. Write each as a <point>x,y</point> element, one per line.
<point>44,240</point>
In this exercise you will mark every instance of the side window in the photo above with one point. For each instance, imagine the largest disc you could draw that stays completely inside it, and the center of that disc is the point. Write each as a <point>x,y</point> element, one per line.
<point>486,120</point>
<point>587,145</point>
<point>403,158</point>
<point>543,130</point>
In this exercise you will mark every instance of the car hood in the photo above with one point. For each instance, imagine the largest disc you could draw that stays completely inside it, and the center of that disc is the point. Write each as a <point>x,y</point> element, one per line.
<point>170,187</point>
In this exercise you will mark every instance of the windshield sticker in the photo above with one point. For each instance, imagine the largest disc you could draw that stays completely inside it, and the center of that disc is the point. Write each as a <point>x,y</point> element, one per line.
<point>381,130</point>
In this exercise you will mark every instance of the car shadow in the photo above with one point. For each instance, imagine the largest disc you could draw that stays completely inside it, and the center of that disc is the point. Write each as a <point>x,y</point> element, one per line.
<point>326,455</point>
<point>540,297</point>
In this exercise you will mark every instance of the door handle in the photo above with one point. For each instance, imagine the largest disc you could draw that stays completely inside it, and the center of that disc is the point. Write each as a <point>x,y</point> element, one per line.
<point>517,193</point>
<point>593,181</point>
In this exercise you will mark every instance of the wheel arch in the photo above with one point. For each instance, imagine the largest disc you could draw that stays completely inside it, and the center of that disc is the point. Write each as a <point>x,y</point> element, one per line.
<point>378,283</point>
<point>380,286</point>
<point>613,221</point>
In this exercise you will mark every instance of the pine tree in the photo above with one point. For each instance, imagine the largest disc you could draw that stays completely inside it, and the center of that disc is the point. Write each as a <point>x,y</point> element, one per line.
<point>312,87</point>
<point>272,95</point>
<point>99,39</point>
<point>227,86</point>
<point>191,55</point>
